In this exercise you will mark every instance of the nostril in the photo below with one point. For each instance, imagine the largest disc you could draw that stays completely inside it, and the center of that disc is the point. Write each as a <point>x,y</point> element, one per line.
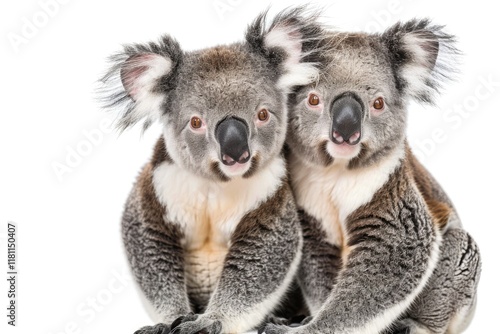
<point>244,157</point>
<point>354,138</point>
<point>227,160</point>
<point>338,137</point>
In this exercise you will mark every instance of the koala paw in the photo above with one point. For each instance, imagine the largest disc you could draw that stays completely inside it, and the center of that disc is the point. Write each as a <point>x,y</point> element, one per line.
<point>195,324</point>
<point>276,321</point>
<point>295,321</point>
<point>300,321</point>
<point>275,329</point>
<point>156,329</point>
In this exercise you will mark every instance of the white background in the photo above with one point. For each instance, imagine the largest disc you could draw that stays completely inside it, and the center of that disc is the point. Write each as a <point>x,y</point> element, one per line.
<point>70,250</point>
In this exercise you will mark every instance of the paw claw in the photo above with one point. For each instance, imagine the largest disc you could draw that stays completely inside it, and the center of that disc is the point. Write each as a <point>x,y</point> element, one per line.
<point>177,322</point>
<point>182,319</point>
<point>194,324</point>
<point>283,325</point>
<point>156,329</point>
<point>275,329</point>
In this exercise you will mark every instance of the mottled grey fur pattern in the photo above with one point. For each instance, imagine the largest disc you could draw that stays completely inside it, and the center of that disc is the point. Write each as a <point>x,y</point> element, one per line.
<point>390,277</point>
<point>452,287</point>
<point>159,81</point>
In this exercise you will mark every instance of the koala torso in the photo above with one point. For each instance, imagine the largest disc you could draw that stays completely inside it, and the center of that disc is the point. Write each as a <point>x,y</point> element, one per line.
<point>208,213</point>
<point>331,194</point>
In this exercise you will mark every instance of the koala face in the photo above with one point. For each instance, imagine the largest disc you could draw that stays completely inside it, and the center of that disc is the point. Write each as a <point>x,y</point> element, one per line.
<point>356,112</point>
<point>223,108</point>
<point>227,116</point>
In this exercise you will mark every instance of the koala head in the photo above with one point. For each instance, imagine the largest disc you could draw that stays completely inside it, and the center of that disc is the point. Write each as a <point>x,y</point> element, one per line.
<point>356,112</point>
<point>223,109</point>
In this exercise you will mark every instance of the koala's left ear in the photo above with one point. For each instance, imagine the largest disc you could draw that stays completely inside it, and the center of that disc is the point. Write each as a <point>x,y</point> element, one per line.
<point>289,44</point>
<point>422,57</point>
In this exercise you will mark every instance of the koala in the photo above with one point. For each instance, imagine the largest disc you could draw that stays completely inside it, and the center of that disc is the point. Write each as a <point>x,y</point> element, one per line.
<point>210,226</point>
<point>384,249</point>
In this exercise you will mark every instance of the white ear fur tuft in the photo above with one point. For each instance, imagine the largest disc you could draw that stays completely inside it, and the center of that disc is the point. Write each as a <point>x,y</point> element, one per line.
<point>290,43</point>
<point>139,80</point>
<point>301,74</point>
<point>418,71</point>
<point>288,38</point>
<point>297,73</point>
<point>140,75</point>
<point>424,56</point>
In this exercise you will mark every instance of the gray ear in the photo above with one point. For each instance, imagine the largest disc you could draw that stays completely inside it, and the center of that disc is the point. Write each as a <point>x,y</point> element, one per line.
<point>292,36</point>
<point>139,80</point>
<point>422,57</point>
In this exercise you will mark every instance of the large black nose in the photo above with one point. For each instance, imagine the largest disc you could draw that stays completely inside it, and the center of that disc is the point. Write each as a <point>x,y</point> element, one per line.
<point>347,114</point>
<point>232,135</point>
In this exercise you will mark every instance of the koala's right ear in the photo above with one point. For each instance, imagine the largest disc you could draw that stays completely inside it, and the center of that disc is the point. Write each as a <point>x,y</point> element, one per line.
<point>422,56</point>
<point>289,44</point>
<point>140,79</point>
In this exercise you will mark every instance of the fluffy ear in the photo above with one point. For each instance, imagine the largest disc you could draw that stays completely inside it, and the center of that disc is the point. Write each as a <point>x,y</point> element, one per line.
<point>139,80</point>
<point>422,56</point>
<point>289,43</point>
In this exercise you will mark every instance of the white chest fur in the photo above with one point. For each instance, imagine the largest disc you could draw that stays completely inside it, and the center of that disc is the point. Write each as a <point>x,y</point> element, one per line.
<point>207,209</point>
<point>208,213</point>
<point>331,194</point>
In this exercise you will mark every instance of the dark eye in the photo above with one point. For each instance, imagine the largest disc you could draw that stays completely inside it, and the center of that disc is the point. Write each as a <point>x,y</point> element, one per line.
<point>378,103</point>
<point>196,122</point>
<point>263,115</point>
<point>313,100</point>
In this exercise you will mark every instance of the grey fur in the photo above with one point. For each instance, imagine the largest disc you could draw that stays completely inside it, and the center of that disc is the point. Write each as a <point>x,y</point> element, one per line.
<point>452,287</point>
<point>390,239</point>
<point>320,263</point>
<point>159,81</point>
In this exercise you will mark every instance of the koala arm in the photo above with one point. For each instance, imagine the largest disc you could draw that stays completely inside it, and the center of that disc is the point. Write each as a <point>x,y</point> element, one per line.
<point>320,265</point>
<point>260,266</point>
<point>393,250</point>
<point>154,250</point>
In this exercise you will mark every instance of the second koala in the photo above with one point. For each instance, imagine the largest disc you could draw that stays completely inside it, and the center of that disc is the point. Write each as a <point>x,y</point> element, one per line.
<point>384,249</point>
